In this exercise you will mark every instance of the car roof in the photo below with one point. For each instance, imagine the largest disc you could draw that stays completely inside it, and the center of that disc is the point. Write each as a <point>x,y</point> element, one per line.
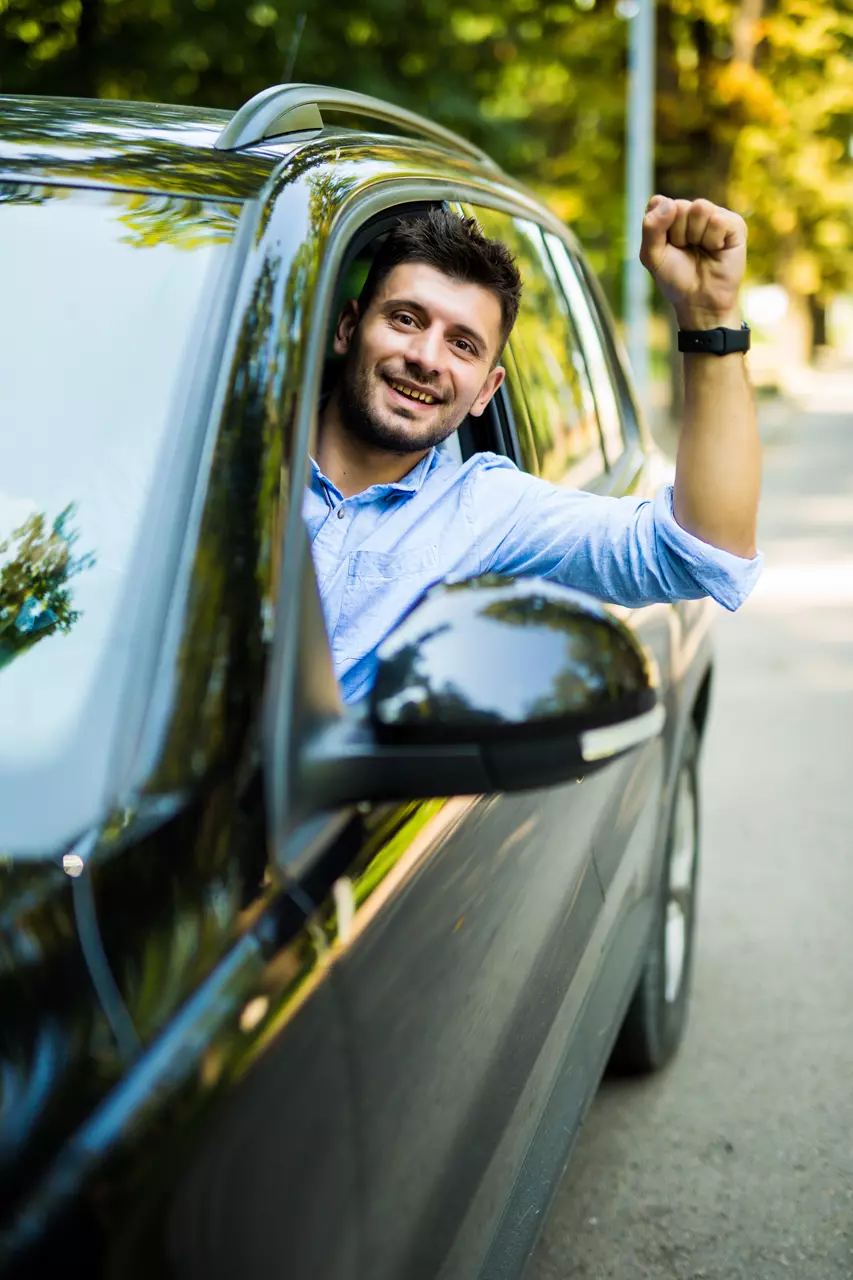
<point>160,148</point>
<point>132,145</point>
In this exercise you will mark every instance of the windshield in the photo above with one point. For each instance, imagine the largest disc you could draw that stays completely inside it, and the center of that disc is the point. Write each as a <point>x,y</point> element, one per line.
<point>104,299</point>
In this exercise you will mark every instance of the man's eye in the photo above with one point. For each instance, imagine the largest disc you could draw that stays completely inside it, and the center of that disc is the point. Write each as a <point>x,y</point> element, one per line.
<point>465,346</point>
<point>403,317</point>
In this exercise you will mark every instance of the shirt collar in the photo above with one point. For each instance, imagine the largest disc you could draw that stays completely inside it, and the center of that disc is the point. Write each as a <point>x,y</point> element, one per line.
<point>411,483</point>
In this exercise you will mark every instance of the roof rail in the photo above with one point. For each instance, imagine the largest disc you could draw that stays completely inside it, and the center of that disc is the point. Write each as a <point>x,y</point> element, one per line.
<point>295,108</point>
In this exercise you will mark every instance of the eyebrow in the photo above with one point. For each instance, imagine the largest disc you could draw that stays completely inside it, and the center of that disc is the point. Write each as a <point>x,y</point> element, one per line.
<point>464,329</point>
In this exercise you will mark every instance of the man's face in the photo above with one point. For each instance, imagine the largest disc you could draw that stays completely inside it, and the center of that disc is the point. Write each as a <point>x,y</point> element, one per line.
<point>418,360</point>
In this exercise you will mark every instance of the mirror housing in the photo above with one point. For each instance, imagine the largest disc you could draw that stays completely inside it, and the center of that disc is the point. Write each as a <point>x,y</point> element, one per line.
<point>492,684</point>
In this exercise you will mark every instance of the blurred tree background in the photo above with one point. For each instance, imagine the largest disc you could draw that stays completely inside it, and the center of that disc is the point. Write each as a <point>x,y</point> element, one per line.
<point>754,103</point>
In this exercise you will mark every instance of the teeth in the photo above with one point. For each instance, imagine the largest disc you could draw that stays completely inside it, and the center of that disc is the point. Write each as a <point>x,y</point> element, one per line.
<point>413,395</point>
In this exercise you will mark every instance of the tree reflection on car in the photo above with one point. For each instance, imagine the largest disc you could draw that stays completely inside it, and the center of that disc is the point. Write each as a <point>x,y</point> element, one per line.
<point>35,599</point>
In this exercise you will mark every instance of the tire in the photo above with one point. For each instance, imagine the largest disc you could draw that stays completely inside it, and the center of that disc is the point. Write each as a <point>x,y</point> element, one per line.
<point>657,1015</point>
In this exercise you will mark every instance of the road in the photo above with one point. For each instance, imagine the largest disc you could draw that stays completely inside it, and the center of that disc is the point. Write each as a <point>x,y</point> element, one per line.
<point>737,1162</point>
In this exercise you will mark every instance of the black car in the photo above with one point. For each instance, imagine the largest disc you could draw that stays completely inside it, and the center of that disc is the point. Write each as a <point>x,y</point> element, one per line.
<point>291,988</point>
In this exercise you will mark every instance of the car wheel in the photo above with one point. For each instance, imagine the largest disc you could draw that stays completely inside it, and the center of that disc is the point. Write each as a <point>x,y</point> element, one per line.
<point>656,1018</point>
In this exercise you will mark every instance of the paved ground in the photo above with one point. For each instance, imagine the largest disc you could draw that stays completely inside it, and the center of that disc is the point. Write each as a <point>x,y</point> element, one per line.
<point>738,1161</point>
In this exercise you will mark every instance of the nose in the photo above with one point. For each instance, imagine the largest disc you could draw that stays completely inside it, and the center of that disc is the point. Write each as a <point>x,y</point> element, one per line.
<point>424,349</point>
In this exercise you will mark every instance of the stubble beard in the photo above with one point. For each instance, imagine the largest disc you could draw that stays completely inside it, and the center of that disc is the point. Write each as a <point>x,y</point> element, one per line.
<point>356,391</point>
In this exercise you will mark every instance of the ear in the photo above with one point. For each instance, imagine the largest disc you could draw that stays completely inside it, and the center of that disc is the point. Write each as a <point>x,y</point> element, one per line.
<point>489,388</point>
<point>346,327</point>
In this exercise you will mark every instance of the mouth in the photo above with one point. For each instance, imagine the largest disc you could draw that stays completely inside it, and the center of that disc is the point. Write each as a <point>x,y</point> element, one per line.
<point>411,394</point>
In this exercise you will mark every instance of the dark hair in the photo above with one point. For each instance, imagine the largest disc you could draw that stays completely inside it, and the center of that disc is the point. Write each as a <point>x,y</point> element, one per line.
<point>456,247</point>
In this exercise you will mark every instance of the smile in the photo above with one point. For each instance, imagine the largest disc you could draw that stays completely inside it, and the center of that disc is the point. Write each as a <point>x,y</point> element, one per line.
<point>422,396</point>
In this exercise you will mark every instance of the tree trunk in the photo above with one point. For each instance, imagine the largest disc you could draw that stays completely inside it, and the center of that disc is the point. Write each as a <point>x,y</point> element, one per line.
<point>80,75</point>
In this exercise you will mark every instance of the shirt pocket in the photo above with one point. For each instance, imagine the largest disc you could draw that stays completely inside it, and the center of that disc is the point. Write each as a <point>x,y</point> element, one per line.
<point>381,587</point>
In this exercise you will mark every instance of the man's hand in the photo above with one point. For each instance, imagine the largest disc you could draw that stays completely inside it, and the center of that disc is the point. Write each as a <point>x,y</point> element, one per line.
<point>696,251</point>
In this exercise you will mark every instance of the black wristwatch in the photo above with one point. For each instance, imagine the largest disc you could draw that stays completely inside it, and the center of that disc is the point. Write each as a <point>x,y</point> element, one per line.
<point>714,342</point>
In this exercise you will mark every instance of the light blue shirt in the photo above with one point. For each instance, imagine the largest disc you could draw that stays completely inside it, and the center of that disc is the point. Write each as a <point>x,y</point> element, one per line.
<point>376,552</point>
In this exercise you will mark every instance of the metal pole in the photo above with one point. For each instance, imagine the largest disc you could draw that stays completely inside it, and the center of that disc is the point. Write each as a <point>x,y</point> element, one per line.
<point>639,176</point>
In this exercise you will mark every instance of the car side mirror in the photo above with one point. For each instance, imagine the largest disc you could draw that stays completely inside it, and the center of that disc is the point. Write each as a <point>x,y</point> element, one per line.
<point>491,684</point>
<point>542,678</point>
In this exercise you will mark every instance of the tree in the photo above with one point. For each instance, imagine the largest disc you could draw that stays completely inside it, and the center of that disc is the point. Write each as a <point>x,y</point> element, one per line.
<point>756,110</point>
<point>754,104</point>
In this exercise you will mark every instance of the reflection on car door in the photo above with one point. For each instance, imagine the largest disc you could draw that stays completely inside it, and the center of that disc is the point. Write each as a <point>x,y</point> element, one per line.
<point>470,940</point>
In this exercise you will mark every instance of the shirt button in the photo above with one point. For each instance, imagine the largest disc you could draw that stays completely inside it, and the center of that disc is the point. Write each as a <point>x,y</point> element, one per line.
<point>340,513</point>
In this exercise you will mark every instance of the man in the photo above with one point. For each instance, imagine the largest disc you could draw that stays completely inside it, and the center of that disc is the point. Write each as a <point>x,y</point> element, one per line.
<point>388,514</point>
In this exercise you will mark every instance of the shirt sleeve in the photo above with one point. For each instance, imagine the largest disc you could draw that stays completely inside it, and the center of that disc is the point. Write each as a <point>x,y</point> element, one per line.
<point>628,551</point>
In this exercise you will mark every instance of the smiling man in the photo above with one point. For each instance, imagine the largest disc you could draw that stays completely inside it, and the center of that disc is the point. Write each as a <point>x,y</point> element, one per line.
<point>389,513</point>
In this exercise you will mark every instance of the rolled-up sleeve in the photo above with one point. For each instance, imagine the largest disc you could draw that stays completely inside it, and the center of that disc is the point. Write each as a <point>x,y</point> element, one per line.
<point>629,551</point>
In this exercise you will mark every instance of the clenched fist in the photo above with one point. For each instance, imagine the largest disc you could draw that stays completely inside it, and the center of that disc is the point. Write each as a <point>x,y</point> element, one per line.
<point>696,251</point>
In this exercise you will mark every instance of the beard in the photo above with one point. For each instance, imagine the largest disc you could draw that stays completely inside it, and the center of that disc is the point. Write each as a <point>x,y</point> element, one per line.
<point>394,430</point>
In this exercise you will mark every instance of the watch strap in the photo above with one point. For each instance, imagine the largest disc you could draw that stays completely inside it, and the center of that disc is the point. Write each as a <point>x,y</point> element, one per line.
<point>714,342</point>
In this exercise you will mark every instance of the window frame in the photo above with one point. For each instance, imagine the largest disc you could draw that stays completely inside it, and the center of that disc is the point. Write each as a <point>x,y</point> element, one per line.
<point>300,646</point>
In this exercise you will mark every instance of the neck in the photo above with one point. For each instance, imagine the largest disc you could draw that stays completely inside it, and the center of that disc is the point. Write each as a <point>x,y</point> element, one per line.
<point>352,465</point>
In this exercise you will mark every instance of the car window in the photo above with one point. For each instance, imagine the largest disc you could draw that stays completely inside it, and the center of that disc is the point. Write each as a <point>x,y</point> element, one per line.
<point>104,298</point>
<point>554,379</point>
<point>600,372</point>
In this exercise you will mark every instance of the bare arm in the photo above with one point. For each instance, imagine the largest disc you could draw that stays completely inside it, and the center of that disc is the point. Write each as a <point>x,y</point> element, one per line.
<point>696,252</point>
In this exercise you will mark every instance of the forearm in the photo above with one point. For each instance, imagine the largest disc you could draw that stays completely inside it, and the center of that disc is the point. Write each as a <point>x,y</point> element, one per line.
<point>718,468</point>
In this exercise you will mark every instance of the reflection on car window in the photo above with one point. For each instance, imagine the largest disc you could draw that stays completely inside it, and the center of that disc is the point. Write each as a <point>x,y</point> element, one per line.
<point>599,370</point>
<point>550,360</point>
<point>104,296</point>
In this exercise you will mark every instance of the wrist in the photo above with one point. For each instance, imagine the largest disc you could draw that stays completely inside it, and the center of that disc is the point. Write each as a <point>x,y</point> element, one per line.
<point>702,318</point>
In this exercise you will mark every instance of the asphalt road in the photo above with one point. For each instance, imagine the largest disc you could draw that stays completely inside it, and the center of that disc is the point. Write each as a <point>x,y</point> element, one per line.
<point>737,1161</point>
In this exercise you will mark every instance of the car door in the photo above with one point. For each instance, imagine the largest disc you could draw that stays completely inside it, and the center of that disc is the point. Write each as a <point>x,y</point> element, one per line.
<point>464,933</point>
<point>467,932</point>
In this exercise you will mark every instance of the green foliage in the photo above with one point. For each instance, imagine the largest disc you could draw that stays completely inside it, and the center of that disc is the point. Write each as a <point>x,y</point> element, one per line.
<point>35,599</point>
<point>755,109</point>
<point>754,106</point>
